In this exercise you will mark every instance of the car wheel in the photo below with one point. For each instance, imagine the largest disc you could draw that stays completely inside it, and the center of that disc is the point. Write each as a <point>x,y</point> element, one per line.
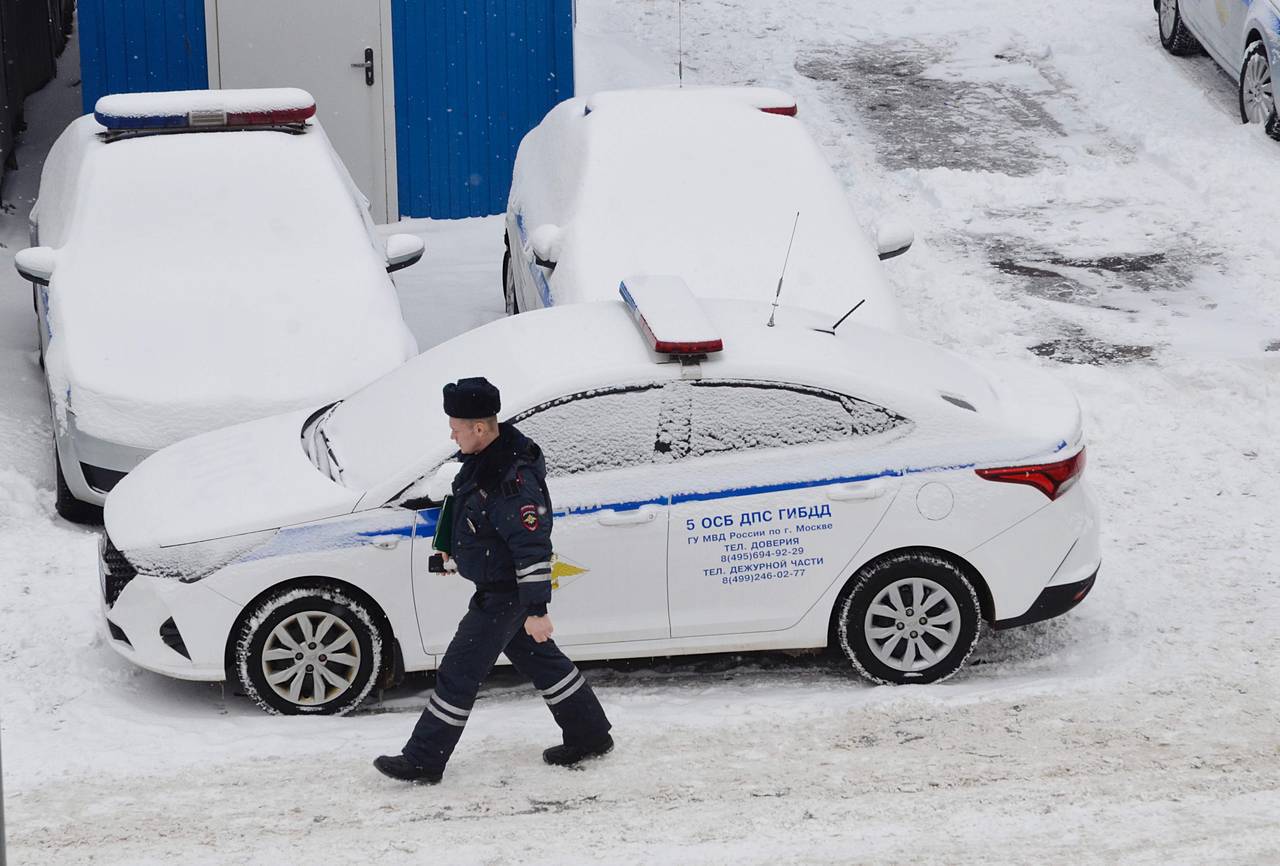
<point>68,507</point>
<point>1257,99</point>
<point>1174,35</point>
<point>309,651</point>
<point>911,618</point>
<point>509,285</point>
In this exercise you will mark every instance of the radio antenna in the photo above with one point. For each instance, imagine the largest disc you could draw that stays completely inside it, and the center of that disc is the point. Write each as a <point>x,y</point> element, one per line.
<point>680,43</point>
<point>781,276</point>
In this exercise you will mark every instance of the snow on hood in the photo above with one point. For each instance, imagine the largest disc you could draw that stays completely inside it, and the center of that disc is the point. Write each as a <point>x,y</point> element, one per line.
<point>708,188</point>
<point>210,278</point>
<point>242,479</point>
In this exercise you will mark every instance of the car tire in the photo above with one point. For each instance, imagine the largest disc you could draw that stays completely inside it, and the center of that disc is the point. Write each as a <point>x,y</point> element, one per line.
<point>1255,93</point>
<point>509,285</point>
<point>888,637</point>
<point>1174,35</point>
<point>65,503</point>
<point>313,650</point>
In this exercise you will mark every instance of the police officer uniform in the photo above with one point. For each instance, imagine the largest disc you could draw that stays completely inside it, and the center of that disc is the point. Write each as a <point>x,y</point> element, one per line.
<point>501,542</point>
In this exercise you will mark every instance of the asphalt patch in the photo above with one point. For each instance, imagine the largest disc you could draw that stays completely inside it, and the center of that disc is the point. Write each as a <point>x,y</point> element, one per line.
<point>924,122</point>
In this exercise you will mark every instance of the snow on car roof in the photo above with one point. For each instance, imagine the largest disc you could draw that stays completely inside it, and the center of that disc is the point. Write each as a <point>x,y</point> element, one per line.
<point>397,422</point>
<point>204,279</point>
<point>684,182</point>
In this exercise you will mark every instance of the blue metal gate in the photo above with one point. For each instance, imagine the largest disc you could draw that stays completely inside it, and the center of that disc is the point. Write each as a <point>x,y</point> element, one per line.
<point>128,46</point>
<point>471,78</point>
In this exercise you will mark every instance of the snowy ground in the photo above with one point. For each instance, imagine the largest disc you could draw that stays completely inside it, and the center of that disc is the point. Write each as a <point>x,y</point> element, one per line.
<point>1084,202</point>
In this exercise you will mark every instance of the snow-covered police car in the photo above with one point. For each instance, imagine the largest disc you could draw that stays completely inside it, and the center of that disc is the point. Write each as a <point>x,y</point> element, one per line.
<point>719,484</point>
<point>705,182</point>
<point>201,258</point>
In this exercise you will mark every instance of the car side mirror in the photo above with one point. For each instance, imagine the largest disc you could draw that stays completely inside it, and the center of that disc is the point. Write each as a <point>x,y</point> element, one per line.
<point>431,489</point>
<point>403,250</point>
<point>36,264</point>
<point>545,242</point>
<point>894,238</point>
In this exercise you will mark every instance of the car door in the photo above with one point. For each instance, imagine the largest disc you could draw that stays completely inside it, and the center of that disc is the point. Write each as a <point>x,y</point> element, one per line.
<point>610,523</point>
<point>774,506</point>
<point>1208,20</point>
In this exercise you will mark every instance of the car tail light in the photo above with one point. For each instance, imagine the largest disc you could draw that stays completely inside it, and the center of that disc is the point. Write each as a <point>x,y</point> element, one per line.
<point>1051,479</point>
<point>786,110</point>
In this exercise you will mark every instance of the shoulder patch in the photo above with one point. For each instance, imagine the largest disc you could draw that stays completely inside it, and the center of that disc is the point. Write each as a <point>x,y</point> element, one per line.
<point>529,517</point>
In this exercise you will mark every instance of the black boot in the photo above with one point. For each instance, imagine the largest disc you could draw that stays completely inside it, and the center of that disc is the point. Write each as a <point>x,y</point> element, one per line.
<point>568,755</point>
<point>400,767</point>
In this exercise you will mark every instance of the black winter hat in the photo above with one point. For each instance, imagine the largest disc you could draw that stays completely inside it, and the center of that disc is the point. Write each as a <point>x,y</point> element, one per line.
<point>471,398</point>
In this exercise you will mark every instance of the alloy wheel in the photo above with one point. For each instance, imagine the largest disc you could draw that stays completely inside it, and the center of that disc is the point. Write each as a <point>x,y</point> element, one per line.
<point>311,658</point>
<point>912,624</point>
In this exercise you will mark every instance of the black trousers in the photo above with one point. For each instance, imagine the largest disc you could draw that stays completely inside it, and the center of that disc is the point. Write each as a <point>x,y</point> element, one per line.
<point>493,624</point>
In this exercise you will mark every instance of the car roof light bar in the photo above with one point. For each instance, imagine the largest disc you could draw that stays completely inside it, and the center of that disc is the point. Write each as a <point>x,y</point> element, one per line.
<point>204,109</point>
<point>671,318</point>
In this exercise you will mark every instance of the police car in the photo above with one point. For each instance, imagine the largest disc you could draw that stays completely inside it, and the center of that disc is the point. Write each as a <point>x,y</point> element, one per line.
<point>200,258</point>
<point>718,484</point>
<point>1242,36</point>
<point>707,182</point>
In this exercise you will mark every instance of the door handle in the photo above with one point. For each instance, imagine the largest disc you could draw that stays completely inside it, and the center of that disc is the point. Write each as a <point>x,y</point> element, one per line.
<point>856,490</point>
<point>386,543</point>
<point>367,66</point>
<point>641,515</point>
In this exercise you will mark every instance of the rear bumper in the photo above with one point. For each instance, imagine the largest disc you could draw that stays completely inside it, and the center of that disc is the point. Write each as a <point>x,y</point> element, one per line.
<point>1053,601</point>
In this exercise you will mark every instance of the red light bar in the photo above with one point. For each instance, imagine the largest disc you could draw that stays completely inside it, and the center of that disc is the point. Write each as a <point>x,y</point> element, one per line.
<point>271,117</point>
<point>670,316</point>
<point>1051,479</point>
<point>785,110</point>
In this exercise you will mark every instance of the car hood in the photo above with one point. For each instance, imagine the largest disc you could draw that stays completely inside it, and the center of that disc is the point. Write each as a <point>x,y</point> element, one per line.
<point>242,479</point>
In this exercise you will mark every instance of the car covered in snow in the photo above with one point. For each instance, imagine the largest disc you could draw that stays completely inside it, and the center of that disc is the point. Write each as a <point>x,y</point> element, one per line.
<point>199,259</point>
<point>718,484</point>
<point>1242,36</point>
<point>702,182</point>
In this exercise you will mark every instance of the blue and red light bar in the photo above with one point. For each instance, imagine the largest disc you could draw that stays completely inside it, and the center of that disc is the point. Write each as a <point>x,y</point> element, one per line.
<point>670,316</point>
<point>204,109</point>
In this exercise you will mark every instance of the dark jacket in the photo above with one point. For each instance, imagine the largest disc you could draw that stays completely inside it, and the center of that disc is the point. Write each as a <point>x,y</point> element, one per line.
<point>502,519</point>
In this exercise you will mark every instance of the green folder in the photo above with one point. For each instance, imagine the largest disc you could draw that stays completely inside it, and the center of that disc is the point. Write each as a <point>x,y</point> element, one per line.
<point>443,540</point>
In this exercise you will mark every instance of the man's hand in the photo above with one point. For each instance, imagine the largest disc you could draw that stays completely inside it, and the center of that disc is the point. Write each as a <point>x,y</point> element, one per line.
<point>539,628</point>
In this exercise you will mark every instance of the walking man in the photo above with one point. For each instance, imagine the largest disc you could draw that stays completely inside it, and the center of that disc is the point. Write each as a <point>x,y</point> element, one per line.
<point>500,535</point>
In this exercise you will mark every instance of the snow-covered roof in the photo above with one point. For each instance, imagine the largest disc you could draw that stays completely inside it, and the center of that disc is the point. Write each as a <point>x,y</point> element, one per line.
<point>699,183</point>
<point>397,422</point>
<point>208,278</point>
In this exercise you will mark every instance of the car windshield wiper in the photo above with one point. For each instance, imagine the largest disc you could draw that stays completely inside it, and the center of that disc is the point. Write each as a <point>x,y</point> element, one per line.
<point>335,468</point>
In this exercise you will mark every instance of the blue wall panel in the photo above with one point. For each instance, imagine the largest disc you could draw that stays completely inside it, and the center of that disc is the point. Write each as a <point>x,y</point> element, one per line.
<point>471,78</point>
<point>128,46</point>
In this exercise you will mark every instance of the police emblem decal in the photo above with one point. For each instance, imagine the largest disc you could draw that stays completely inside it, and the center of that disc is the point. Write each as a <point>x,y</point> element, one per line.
<point>529,517</point>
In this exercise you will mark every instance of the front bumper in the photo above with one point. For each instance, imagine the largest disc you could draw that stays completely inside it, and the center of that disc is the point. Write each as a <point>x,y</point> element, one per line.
<point>93,466</point>
<point>1053,601</point>
<point>172,628</point>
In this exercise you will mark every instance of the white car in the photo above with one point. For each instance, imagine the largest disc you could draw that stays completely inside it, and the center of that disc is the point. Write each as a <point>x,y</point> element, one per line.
<point>718,485</point>
<point>199,259</point>
<point>1243,36</point>
<point>702,182</point>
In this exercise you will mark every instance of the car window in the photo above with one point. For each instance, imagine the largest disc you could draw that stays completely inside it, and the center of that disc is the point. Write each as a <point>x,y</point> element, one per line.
<point>742,415</point>
<point>597,430</point>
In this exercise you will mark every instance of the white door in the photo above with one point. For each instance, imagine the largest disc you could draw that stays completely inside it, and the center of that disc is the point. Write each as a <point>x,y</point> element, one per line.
<point>610,529</point>
<point>760,531</point>
<point>334,49</point>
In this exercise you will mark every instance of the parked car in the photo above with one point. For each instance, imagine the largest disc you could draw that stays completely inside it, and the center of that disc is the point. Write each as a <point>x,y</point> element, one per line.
<point>702,182</point>
<point>718,485</point>
<point>1244,39</point>
<point>200,258</point>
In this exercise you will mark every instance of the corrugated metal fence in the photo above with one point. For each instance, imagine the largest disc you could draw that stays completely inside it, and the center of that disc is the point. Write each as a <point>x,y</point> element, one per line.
<point>472,77</point>
<point>128,46</point>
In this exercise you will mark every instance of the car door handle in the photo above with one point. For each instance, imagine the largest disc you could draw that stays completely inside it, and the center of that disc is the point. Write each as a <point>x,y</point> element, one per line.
<point>386,542</point>
<point>856,490</point>
<point>636,517</point>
